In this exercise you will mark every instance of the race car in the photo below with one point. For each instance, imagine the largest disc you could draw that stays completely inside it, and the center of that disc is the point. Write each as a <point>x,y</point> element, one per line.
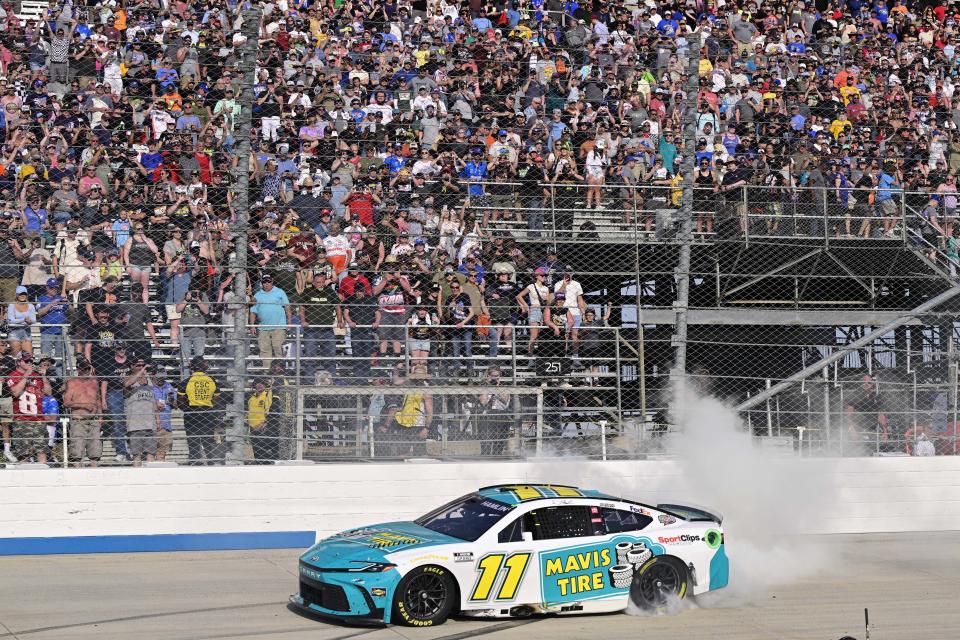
<point>514,551</point>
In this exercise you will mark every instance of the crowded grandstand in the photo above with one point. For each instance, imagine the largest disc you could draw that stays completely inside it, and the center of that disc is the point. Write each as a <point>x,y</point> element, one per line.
<point>427,192</point>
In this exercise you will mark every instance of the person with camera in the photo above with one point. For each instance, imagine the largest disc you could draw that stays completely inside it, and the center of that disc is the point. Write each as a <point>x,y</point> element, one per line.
<point>193,312</point>
<point>28,385</point>
<point>141,410</point>
<point>496,418</point>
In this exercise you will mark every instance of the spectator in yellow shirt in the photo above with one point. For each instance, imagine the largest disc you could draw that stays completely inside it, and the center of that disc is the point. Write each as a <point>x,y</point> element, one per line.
<point>258,406</point>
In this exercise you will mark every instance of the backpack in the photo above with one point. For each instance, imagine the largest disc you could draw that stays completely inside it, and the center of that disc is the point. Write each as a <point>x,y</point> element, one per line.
<point>411,413</point>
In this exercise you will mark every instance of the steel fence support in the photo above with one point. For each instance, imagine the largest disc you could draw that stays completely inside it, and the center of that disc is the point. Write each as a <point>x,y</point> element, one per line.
<point>616,355</point>
<point>845,349</point>
<point>241,174</point>
<point>539,429</point>
<point>686,223</point>
<point>641,364</point>
<point>299,432</point>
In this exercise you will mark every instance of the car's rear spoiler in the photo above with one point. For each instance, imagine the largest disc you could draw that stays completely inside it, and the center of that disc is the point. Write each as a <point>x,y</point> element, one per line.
<point>692,514</point>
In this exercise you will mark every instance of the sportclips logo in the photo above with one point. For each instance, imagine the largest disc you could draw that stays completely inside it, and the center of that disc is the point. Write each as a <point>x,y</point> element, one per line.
<point>682,539</point>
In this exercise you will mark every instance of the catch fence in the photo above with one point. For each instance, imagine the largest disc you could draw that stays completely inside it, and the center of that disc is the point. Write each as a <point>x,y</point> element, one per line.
<point>779,278</point>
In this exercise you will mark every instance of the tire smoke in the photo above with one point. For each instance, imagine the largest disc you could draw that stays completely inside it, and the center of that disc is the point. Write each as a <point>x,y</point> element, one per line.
<point>767,499</point>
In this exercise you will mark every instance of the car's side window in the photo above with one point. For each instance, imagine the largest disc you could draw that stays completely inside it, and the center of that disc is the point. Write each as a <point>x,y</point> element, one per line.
<point>551,523</point>
<point>618,520</point>
<point>513,532</point>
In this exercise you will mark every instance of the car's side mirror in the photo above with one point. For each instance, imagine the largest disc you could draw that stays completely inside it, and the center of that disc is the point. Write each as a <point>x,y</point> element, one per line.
<point>527,536</point>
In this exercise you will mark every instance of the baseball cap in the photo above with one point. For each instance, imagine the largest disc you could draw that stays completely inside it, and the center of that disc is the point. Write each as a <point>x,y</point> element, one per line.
<point>53,282</point>
<point>26,357</point>
<point>21,289</point>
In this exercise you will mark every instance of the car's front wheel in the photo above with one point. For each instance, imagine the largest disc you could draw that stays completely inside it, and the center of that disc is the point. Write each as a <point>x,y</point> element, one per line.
<point>424,597</point>
<point>659,583</point>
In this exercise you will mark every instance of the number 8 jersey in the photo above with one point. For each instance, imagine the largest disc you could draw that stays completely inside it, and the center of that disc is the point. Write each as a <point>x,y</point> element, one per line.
<point>26,407</point>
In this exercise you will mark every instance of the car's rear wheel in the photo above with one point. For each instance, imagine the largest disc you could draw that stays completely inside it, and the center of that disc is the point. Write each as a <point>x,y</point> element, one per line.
<point>659,583</point>
<point>424,597</point>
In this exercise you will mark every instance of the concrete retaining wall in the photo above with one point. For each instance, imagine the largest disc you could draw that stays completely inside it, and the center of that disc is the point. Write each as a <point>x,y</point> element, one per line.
<point>57,511</point>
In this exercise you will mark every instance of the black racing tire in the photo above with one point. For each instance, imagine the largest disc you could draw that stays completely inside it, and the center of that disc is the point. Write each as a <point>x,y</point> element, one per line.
<point>660,580</point>
<point>425,597</point>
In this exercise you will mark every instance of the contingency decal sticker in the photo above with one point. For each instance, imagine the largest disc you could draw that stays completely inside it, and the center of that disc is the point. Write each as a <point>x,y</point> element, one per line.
<point>380,538</point>
<point>593,571</point>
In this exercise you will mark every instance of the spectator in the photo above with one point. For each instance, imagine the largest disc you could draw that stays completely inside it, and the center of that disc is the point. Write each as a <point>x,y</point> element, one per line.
<point>391,291</point>
<point>199,399</point>
<point>52,310</point>
<point>136,323</point>
<point>501,300</point>
<point>112,372</point>
<point>8,364</point>
<point>421,329</point>
<point>38,268</point>
<point>21,316</point>
<point>459,313</point>
<point>166,397</point>
<point>319,312</point>
<point>359,315</point>
<point>141,413</point>
<point>139,255</point>
<point>406,419</point>
<point>193,311</point>
<point>496,416</point>
<point>83,398</point>
<point>281,417</point>
<point>570,292</point>
<point>258,406</point>
<point>27,387</point>
<point>533,301</point>
<point>269,318</point>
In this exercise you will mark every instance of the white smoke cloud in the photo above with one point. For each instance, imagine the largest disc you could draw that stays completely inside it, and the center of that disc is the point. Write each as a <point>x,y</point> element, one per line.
<point>767,499</point>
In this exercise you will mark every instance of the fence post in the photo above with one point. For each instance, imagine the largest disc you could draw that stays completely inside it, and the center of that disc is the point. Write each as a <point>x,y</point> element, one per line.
<point>300,419</point>
<point>616,369</point>
<point>745,218</point>
<point>903,217</point>
<point>539,447</point>
<point>297,351</point>
<point>769,415</point>
<point>827,422</point>
<point>64,421</point>
<point>513,356</point>
<point>370,430</point>
<point>603,440</point>
<point>553,214</point>
<point>826,219</point>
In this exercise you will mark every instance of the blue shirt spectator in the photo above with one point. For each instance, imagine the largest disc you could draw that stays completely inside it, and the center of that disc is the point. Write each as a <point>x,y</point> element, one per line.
<point>271,307</point>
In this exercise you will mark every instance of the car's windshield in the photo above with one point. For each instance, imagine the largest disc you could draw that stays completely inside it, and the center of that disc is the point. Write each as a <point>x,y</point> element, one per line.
<point>466,518</point>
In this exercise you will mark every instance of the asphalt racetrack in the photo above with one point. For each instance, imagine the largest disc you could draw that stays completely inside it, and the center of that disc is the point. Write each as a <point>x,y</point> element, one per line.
<point>910,582</point>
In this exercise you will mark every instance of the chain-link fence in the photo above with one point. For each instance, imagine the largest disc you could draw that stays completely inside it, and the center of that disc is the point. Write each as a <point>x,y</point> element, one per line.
<point>529,286</point>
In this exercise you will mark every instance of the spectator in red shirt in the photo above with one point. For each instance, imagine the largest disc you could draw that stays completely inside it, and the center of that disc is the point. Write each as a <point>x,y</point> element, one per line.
<point>359,204</point>
<point>351,281</point>
<point>27,388</point>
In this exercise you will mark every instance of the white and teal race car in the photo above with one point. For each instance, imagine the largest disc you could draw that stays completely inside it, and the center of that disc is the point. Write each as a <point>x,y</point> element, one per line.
<point>514,551</point>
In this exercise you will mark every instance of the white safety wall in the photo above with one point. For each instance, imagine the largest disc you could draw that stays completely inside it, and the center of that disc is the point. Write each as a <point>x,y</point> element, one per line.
<point>871,494</point>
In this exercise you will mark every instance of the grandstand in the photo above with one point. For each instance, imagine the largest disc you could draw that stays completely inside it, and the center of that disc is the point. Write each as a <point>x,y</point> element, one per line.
<point>550,197</point>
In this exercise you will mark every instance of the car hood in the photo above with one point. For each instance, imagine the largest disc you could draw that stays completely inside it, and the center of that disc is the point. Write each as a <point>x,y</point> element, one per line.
<point>372,544</point>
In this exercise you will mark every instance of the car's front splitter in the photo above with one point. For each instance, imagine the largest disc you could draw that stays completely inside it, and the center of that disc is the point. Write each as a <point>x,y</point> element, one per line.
<point>372,619</point>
